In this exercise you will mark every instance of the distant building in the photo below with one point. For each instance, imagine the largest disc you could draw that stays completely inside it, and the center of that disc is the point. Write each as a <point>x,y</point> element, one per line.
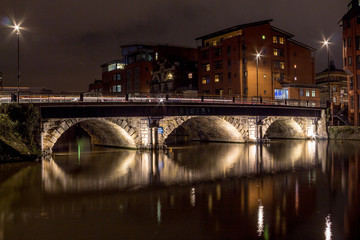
<point>338,85</point>
<point>149,68</point>
<point>351,47</point>
<point>228,63</point>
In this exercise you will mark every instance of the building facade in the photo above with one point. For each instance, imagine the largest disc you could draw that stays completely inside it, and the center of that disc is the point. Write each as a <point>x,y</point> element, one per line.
<point>147,68</point>
<point>350,23</point>
<point>228,63</point>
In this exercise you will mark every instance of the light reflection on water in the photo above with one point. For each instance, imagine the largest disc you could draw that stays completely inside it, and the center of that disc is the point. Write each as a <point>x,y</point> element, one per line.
<point>284,190</point>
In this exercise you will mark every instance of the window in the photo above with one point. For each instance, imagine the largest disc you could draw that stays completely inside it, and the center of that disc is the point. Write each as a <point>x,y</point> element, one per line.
<point>170,76</point>
<point>214,43</point>
<point>205,55</point>
<point>218,77</point>
<point>264,75</point>
<point>313,93</point>
<point>349,61</point>
<point>357,42</point>
<point>114,77</point>
<point>205,80</point>
<point>275,39</point>
<point>156,56</point>
<point>218,65</point>
<point>281,93</point>
<point>295,66</point>
<point>230,91</point>
<point>334,89</point>
<point>229,76</point>
<point>295,78</point>
<point>219,92</point>
<point>228,50</point>
<point>307,93</point>
<point>118,76</point>
<point>116,88</point>
<point>349,42</point>
<point>357,61</point>
<point>282,65</point>
<point>229,63</point>
<point>208,67</point>
<point>334,99</point>
<point>263,37</point>
<point>217,52</point>
<point>278,52</point>
<point>111,67</point>
<point>344,43</point>
<point>190,75</point>
<point>301,92</point>
<point>281,40</point>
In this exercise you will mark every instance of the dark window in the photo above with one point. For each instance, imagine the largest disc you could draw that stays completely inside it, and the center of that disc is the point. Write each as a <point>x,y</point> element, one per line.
<point>217,52</point>
<point>229,63</point>
<point>229,76</point>
<point>218,65</point>
<point>350,61</point>
<point>351,83</point>
<point>348,23</point>
<point>348,42</point>
<point>344,43</point>
<point>357,61</point>
<point>205,54</point>
<point>357,42</point>
<point>228,50</point>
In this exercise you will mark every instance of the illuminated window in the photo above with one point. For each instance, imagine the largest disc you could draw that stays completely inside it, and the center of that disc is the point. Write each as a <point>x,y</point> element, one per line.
<point>307,93</point>
<point>294,65</point>
<point>156,56</point>
<point>120,66</point>
<point>281,40</point>
<point>230,91</point>
<point>281,93</point>
<point>295,78</point>
<point>112,67</point>
<point>116,88</point>
<point>275,39</point>
<point>214,43</point>
<point>282,65</point>
<point>190,76</point>
<point>263,37</point>
<point>169,76</point>
<point>205,80</point>
<point>313,93</point>
<point>208,67</point>
<point>218,77</point>
<point>264,75</point>
<point>276,52</point>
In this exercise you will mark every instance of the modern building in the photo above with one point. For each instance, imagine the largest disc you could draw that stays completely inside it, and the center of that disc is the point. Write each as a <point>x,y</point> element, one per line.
<point>146,68</point>
<point>350,23</point>
<point>256,60</point>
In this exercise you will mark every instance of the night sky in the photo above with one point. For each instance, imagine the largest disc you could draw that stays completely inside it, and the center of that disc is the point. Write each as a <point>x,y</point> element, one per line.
<point>64,42</point>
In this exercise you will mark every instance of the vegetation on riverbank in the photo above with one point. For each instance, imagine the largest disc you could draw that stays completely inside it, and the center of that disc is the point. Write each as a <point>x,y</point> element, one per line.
<point>19,130</point>
<point>344,132</point>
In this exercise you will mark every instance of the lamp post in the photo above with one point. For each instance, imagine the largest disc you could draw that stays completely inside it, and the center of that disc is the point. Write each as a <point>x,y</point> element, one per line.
<point>17,28</point>
<point>257,76</point>
<point>326,43</point>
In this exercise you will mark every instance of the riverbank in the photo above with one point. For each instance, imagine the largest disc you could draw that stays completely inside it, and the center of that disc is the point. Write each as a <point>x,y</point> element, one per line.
<point>19,124</point>
<point>344,132</point>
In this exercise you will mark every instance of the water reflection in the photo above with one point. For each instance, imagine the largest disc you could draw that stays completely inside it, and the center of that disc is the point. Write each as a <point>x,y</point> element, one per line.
<point>244,192</point>
<point>130,169</point>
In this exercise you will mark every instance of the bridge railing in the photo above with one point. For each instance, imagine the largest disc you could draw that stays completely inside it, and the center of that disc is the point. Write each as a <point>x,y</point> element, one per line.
<point>155,98</point>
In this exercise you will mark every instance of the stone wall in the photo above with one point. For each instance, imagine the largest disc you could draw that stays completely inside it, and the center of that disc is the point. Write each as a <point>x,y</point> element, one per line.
<point>344,132</point>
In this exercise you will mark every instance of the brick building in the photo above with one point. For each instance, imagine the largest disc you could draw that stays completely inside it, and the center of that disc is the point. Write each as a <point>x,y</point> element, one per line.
<point>146,67</point>
<point>350,23</point>
<point>228,64</point>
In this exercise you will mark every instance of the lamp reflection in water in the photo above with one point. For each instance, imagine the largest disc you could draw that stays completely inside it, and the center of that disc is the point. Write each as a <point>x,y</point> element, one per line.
<point>192,198</point>
<point>260,222</point>
<point>327,231</point>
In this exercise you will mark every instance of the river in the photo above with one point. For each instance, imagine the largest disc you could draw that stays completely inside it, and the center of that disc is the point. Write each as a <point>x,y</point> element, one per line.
<point>288,189</point>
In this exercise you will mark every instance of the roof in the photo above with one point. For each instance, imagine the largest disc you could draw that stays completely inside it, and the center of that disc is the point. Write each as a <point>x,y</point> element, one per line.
<point>289,35</point>
<point>111,62</point>
<point>301,45</point>
<point>353,12</point>
<point>300,85</point>
<point>234,28</point>
<point>332,68</point>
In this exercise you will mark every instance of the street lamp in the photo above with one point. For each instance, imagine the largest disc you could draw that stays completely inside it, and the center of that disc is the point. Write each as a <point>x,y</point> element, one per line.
<point>257,76</point>
<point>17,29</point>
<point>327,43</point>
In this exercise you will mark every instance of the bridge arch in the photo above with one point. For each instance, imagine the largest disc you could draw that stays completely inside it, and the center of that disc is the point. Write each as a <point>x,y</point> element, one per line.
<point>108,132</point>
<point>205,128</point>
<point>286,127</point>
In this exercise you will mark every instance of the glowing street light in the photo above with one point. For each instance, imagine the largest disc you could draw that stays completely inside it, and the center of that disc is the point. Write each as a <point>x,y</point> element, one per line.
<point>327,43</point>
<point>17,29</point>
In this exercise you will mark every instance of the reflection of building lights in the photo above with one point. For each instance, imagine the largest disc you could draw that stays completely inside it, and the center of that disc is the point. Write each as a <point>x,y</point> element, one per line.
<point>297,197</point>
<point>260,223</point>
<point>192,198</point>
<point>210,204</point>
<point>327,231</point>
<point>158,211</point>
<point>218,192</point>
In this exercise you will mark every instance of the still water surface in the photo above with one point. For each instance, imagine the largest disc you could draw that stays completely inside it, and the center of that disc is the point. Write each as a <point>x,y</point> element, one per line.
<point>284,190</point>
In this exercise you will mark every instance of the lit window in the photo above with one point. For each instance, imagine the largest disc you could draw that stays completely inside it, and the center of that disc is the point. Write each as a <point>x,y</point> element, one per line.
<point>307,93</point>
<point>282,65</point>
<point>190,76</point>
<point>294,65</point>
<point>156,56</point>
<point>217,77</point>
<point>281,40</point>
<point>264,75</point>
<point>203,81</point>
<point>275,39</point>
<point>295,78</point>
<point>169,76</point>
<point>334,89</point>
<point>263,37</point>
<point>208,67</point>
<point>214,43</point>
<point>230,91</point>
<point>111,67</point>
<point>313,93</point>
<point>120,66</point>
<point>334,99</point>
<point>276,52</point>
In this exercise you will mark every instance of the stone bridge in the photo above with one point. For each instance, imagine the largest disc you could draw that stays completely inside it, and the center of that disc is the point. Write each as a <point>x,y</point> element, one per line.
<point>154,125</point>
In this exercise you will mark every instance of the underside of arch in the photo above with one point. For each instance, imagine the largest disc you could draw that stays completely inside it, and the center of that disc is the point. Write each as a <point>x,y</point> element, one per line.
<point>285,128</point>
<point>205,128</point>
